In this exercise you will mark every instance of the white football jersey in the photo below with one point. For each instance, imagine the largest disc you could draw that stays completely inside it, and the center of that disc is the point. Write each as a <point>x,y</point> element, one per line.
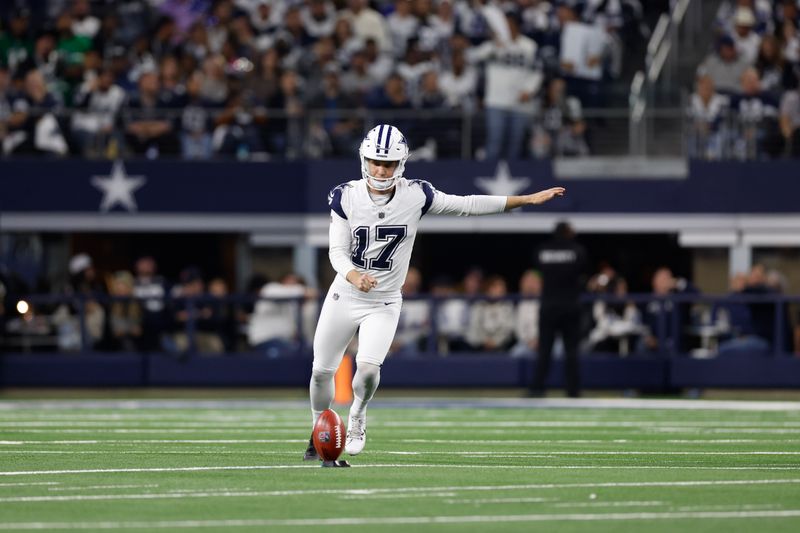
<point>378,240</point>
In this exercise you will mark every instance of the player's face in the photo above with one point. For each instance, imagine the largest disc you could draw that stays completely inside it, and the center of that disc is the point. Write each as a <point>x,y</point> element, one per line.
<point>381,170</point>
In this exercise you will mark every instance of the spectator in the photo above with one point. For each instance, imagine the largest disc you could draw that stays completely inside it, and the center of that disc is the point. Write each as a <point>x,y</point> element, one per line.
<point>761,11</point>
<point>492,321</point>
<point>708,111</point>
<point>32,125</point>
<point>147,131</point>
<point>223,316</point>
<point>5,110</point>
<point>150,290</point>
<point>319,18</point>
<point>272,330</point>
<point>725,66</point>
<point>658,312</point>
<point>459,83</point>
<point>84,24</point>
<point>414,325</point>
<point>512,81</point>
<point>790,121</point>
<point>733,318</point>
<point>102,101</point>
<point>346,42</point>
<point>196,121</point>
<point>403,25</point>
<point>286,130</point>
<point>617,324</point>
<point>86,292</point>
<point>791,42</point>
<point>192,309</point>
<point>394,101</point>
<point>583,49</point>
<point>368,23</point>
<point>342,127</point>
<point>16,45</point>
<point>236,132</point>
<point>380,64</point>
<point>757,119</point>
<point>527,315</point>
<point>562,129</point>
<point>776,74</point>
<point>125,315</point>
<point>747,41</point>
<point>357,82</point>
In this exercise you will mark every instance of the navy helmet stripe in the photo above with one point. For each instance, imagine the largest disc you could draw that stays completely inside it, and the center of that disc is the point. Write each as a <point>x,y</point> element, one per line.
<point>380,136</point>
<point>388,138</point>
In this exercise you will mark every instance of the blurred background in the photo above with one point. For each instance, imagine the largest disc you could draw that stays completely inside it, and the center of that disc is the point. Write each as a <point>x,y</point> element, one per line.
<point>165,166</point>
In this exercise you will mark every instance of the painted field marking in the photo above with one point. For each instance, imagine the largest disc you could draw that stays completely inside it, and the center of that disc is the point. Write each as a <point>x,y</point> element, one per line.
<point>475,501</point>
<point>157,441</point>
<point>393,492</point>
<point>400,520</point>
<point>100,487</point>
<point>399,465</point>
<point>444,403</point>
<point>2,485</point>
<point>694,424</point>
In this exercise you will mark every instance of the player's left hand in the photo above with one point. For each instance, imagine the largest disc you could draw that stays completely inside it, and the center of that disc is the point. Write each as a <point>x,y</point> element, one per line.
<point>546,195</point>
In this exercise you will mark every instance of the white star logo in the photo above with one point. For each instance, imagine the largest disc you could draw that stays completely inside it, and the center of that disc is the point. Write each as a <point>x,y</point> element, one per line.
<point>502,184</point>
<point>118,188</point>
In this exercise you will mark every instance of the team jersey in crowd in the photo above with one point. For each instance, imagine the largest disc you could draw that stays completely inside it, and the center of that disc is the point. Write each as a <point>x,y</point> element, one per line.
<point>378,239</point>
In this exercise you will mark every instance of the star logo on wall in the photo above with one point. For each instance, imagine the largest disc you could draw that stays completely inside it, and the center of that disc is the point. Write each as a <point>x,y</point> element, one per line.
<point>118,188</point>
<point>502,183</point>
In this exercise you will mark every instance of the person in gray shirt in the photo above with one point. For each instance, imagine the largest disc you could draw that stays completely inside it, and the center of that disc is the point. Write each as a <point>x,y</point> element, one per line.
<point>790,121</point>
<point>725,66</point>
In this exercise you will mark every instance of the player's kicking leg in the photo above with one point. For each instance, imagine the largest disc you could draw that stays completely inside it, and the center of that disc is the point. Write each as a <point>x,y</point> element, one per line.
<point>374,339</point>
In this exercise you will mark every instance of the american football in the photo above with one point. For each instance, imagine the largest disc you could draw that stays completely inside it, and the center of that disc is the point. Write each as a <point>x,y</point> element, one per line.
<point>329,435</point>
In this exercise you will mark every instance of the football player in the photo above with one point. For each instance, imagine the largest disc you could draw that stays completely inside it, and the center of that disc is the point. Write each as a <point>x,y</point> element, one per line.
<point>374,222</point>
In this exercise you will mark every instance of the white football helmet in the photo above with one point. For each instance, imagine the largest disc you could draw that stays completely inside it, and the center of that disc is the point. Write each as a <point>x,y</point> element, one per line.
<point>383,143</point>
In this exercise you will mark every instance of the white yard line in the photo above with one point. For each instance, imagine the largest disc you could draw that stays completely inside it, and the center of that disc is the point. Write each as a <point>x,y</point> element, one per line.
<point>157,441</point>
<point>420,423</point>
<point>2,485</point>
<point>479,501</point>
<point>403,520</point>
<point>409,441</point>
<point>100,487</point>
<point>548,454</point>
<point>387,402</point>
<point>413,491</point>
<point>398,465</point>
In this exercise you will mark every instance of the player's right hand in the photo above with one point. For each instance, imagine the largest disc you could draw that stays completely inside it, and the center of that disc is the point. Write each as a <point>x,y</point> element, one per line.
<point>363,282</point>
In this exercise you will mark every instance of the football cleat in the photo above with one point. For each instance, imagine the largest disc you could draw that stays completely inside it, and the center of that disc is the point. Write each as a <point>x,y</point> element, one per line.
<point>311,452</point>
<point>356,436</point>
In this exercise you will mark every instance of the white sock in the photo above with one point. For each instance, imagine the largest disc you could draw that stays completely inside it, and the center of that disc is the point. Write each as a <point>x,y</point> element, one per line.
<point>365,383</point>
<point>321,390</point>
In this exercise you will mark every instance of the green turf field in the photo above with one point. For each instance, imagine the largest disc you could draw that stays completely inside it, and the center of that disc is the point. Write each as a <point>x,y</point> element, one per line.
<point>237,466</point>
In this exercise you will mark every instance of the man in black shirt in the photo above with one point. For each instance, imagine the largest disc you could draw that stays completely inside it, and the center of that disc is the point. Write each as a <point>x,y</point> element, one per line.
<point>562,262</point>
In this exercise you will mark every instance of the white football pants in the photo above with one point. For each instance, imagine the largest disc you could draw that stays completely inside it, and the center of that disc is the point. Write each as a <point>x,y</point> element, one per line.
<point>347,309</point>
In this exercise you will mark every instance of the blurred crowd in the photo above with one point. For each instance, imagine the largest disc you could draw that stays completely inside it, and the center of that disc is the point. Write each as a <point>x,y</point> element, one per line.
<point>304,78</point>
<point>139,310</point>
<point>746,103</point>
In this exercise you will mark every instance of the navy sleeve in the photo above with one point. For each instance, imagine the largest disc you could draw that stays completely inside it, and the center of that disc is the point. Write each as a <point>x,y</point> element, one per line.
<point>428,189</point>
<point>335,201</point>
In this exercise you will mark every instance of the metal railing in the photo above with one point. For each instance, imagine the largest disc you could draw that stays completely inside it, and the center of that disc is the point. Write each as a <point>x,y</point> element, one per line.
<point>685,324</point>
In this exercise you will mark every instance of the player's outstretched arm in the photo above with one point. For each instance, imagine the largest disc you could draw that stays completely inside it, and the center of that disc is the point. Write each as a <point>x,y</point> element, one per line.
<point>535,198</point>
